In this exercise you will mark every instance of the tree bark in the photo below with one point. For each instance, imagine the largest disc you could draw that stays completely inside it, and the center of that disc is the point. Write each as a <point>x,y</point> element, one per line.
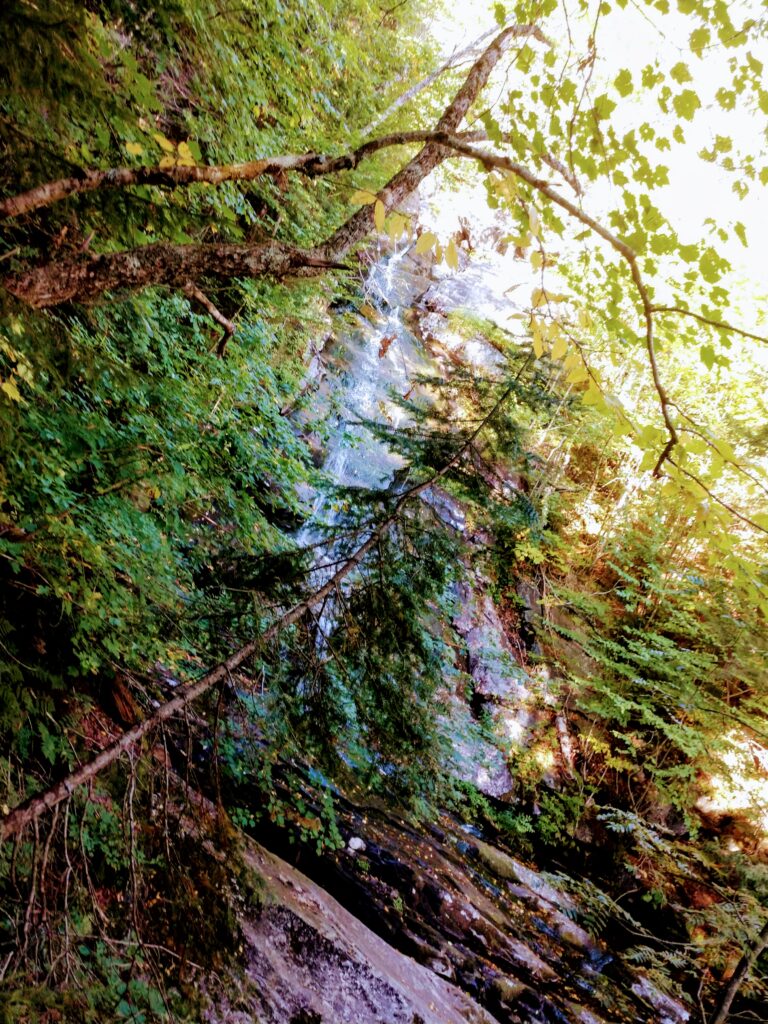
<point>160,264</point>
<point>85,280</point>
<point>743,968</point>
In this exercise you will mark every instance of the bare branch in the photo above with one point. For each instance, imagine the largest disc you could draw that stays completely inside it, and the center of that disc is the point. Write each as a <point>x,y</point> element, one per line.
<point>193,292</point>
<point>719,324</point>
<point>451,61</point>
<point>310,164</point>
<point>745,965</point>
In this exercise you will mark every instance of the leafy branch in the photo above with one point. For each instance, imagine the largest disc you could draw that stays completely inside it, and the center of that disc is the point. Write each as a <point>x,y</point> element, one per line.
<point>29,811</point>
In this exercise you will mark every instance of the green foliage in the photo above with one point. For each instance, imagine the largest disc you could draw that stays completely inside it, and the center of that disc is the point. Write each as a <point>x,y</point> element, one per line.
<point>150,492</point>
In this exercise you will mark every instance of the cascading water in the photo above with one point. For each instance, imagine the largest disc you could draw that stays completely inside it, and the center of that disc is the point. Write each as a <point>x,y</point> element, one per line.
<point>376,358</point>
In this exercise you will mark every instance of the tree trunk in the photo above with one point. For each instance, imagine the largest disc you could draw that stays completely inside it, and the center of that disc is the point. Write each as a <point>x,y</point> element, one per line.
<point>177,266</point>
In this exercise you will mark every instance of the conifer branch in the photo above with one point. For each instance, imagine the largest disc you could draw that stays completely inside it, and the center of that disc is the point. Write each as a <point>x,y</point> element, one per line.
<point>29,812</point>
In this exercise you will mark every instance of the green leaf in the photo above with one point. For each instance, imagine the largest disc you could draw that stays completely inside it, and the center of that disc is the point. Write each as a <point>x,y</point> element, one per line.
<point>681,73</point>
<point>709,265</point>
<point>686,104</point>
<point>707,355</point>
<point>699,39</point>
<point>604,107</point>
<point>623,82</point>
<point>726,98</point>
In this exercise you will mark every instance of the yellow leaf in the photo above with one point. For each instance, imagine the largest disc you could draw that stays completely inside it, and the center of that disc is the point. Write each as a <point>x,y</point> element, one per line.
<point>167,161</point>
<point>425,242</point>
<point>533,221</point>
<point>9,387</point>
<point>164,143</point>
<point>538,340</point>
<point>397,223</point>
<point>716,466</point>
<point>439,253</point>
<point>363,198</point>
<point>24,371</point>
<point>506,187</point>
<point>573,360</point>
<point>537,259</point>
<point>592,395</point>
<point>696,445</point>
<point>577,375</point>
<point>452,256</point>
<point>185,152</point>
<point>134,148</point>
<point>185,161</point>
<point>538,297</point>
<point>560,346</point>
<point>726,450</point>
<point>379,215</point>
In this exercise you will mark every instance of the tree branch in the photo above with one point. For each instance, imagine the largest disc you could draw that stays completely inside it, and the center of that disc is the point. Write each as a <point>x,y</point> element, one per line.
<point>176,265</point>
<point>743,968</point>
<point>193,292</point>
<point>724,504</point>
<point>310,164</point>
<point>163,263</point>
<point>29,811</point>
<point>719,324</point>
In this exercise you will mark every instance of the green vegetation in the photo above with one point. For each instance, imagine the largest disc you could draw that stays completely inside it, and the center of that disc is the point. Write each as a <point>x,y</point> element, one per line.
<point>155,476</point>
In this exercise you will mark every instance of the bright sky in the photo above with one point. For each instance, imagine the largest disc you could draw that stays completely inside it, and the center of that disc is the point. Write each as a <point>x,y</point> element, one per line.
<point>631,38</point>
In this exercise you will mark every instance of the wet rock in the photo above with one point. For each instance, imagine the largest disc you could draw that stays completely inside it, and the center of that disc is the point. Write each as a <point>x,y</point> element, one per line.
<point>475,758</point>
<point>531,883</point>
<point>306,959</point>
<point>492,664</point>
<point>441,967</point>
<point>670,1011</point>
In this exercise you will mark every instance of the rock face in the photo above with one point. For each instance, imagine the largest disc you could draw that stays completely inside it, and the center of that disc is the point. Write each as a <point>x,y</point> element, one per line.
<point>429,924</point>
<point>307,960</point>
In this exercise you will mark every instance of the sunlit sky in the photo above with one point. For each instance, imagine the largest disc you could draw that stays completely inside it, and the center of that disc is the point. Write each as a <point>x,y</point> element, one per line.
<point>632,38</point>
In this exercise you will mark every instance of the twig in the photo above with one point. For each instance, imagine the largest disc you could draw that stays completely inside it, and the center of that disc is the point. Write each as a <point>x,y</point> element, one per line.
<point>710,322</point>
<point>193,292</point>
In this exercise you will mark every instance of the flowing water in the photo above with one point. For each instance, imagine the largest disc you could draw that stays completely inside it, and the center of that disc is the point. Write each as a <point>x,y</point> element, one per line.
<point>486,928</point>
